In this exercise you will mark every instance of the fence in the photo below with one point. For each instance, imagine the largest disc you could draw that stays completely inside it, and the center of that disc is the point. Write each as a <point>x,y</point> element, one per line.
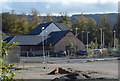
<point>25,56</point>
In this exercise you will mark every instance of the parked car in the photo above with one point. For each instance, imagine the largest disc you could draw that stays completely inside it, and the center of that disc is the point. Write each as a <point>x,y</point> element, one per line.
<point>60,53</point>
<point>116,53</point>
<point>97,51</point>
<point>82,53</point>
<point>35,53</point>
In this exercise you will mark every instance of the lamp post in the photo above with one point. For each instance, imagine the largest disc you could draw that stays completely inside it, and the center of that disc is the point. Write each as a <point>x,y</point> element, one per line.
<point>101,37</point>
<point>82,35</point>
<point>76,32</point>
<point>47,48</point>
<point>43,46</point>
<point>46,39</point>
<point>114,39</point>
<point>87,40</point>
<point>103,40</point>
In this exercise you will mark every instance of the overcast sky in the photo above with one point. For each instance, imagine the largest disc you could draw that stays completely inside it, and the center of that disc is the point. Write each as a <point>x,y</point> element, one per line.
<point>57,6</point>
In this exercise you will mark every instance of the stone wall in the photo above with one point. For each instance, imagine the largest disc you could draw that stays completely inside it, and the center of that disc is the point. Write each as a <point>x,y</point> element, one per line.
<point>70,37</point>
<point>15,56</point>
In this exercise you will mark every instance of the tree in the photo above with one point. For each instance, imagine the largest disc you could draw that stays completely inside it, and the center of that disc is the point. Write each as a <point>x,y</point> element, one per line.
<point>92,45</point>
<point>49,18</point>
<point>80,23</point>
<point>9,22</point>
<point>22,25</point>
<point>105,24</point>
<point>96,44</point>
<point>6,73</point>
<point>71,48</point>
<point>64,18</point>
<point>91,28</point>
<point>116,27</point>
<point>36,20</point>
<point>5,24</point>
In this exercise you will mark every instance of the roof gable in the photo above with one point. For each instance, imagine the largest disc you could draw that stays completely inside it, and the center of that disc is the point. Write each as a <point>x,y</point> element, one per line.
<point>54,37</point>
<point>4,37</point>
<point>9,39</point>
<point>38,29</point>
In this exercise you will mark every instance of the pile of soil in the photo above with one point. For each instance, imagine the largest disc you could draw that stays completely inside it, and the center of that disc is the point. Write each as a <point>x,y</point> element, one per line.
<point>59,71</point>
<point>72,74</point>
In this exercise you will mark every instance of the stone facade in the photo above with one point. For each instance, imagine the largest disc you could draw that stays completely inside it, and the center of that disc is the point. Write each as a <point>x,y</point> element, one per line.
<point>15,56</point>
<point>69,38</point>
<point>61,45</point>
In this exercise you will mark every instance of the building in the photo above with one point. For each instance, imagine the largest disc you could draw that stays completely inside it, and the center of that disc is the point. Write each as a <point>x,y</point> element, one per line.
<point>55,34</point>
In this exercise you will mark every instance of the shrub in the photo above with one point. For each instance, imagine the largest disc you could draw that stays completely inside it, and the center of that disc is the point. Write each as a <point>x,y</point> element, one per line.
<point>6,73</point>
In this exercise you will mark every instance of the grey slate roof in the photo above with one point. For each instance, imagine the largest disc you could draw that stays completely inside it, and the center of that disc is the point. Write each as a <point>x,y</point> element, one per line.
<point>4,37</point>
<point>38,29</point>
<point>25,39</point>
<point>53,38</point>
<point>62,26</point>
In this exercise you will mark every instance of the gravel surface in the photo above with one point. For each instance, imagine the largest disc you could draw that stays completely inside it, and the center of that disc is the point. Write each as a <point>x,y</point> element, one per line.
<point>106,69</point>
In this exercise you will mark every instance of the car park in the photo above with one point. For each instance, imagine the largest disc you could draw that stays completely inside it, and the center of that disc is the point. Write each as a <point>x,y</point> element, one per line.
<point>97,51</point>
<point>82,53</point>
<point>116,53</point>
<point>60,53</point>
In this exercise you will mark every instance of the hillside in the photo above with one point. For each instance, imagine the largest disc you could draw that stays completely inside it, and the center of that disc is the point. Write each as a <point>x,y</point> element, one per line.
<point>97,17</point>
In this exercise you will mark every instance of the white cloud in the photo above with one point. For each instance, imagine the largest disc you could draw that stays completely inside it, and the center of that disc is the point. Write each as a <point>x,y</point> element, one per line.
<point>48,6</point>
<point>5,6</point>
<point>66,1</point>
<point>54,14</point>
<point>83,1</point>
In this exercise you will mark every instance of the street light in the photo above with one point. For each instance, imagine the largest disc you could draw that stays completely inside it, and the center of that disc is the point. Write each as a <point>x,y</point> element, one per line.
<point>76,32</point>
<point>47,54</point>
<point>103,40</point>
<point>114,39</point>
<point>101,37</point>
<point>87,40</point>
<point>43,45</point>
<point>82,36</point>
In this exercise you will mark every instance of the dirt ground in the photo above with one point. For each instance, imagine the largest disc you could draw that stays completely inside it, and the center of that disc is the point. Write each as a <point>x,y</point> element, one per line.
<point>106,69</point>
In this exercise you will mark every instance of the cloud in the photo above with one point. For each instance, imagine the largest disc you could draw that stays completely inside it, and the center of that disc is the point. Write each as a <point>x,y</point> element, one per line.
<point>5,6</point>
<point>84,1</point>
<point>71,6</point>
<point>66,2</point>
<point>48,6</point>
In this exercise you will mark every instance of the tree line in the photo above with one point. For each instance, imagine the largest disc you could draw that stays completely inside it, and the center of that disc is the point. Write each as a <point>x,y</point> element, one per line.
<point>12,23</point>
